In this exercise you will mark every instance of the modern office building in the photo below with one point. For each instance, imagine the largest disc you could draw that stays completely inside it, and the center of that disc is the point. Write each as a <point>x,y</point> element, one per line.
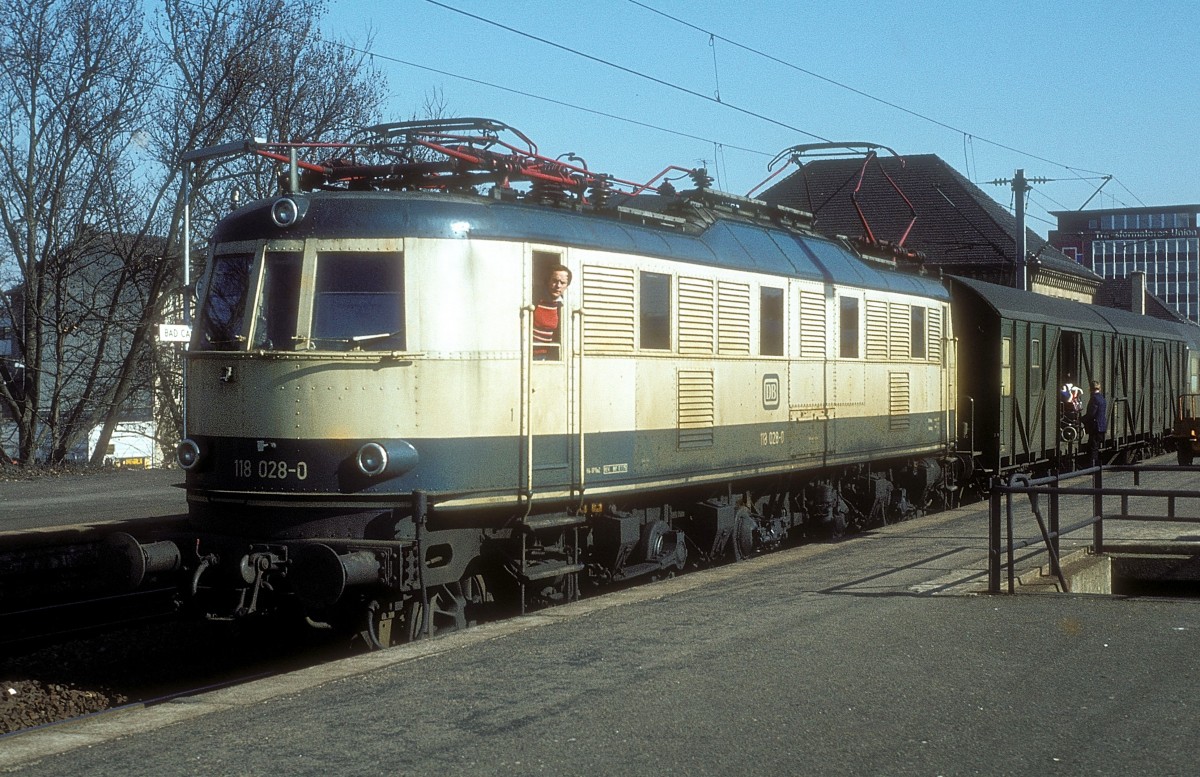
<point>1162,242</point>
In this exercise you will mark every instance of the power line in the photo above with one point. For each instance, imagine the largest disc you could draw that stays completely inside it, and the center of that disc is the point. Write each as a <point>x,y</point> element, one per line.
<point>855,90</point>
<point>713,37</point>
<point>631,71</point>
<point>552,100</point>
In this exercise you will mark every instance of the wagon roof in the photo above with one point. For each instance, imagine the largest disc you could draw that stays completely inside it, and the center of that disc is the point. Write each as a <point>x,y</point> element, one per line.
<point>1020,305</point>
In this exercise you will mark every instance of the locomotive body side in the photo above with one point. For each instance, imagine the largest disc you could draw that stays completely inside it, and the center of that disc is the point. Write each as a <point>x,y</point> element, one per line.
<point>617,412</point>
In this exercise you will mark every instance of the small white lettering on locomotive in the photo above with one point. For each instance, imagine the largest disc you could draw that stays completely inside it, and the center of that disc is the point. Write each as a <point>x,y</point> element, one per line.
<point>608,469</point>
<point>770,438</point>
<point>266,469</point>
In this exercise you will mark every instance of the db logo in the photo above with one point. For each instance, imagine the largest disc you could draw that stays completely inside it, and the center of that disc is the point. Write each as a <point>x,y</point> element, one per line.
<point>770,392</point>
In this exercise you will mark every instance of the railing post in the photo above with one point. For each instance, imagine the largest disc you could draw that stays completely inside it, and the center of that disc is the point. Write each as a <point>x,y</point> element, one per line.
<point>994,541</point>
<point>1012,581</point>
<point>1055,567</point>
<point>1098,511</point>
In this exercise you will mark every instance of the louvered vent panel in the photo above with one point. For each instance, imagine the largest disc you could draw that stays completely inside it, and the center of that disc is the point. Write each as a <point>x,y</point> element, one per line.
<point>935,334</point>
<point>899,401</point>
<point>812,325</point>
<point>733,318</point>
<point>608,295</point>
<point>697,412</point>
<point>877,330</point>
<point>695,315</point>
<point>900,333</point>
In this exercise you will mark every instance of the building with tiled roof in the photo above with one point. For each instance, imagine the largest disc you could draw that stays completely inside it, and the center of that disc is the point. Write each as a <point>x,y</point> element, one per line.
<point>958,228</point>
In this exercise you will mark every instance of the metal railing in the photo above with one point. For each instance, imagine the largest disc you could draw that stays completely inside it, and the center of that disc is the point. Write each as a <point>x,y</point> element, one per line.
<point>1002,540</point>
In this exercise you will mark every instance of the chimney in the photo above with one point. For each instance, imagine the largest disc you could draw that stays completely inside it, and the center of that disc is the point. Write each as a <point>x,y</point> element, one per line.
<point>1137,292</point>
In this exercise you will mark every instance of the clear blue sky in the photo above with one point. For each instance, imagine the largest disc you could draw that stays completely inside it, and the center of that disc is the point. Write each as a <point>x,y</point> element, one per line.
<point>1064,90</point>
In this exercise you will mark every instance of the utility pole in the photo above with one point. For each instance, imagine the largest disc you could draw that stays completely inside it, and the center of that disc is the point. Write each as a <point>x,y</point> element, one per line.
<point>1021,187</point>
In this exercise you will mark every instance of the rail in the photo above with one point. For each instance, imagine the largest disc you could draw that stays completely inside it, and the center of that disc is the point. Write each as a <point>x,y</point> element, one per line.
<point>1002,540</point>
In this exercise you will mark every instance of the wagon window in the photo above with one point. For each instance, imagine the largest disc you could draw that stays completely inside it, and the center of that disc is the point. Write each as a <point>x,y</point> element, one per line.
<point>1035,367</point>
<point>359,301</point>
<point>771,322</point>
<point>1006,367</point>
<point>849,324</point>
<point>275,326</point>
<point>656,310</point>
<point>225,304</point>
<point>917,332</point>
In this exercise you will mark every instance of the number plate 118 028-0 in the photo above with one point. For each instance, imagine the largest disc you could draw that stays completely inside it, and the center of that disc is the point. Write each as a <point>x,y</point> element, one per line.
<point>267,469</point>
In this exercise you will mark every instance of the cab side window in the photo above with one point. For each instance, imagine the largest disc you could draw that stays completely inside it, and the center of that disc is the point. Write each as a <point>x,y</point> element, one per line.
<point>655,311</point>
<point>849,327</point>
<point>770,312</point>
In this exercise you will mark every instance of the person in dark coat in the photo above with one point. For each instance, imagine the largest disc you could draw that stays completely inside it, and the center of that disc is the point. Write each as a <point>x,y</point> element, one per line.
<point>1095,420</point>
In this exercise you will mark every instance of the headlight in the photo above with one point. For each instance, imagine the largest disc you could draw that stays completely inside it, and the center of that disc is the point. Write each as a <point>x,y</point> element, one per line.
<point>188,454</point>
<point>285,211</point>
<point>391,458</point>
<point>372,459</point>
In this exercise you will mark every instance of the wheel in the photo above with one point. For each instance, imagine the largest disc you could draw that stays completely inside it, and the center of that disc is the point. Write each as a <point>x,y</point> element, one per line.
<point>478,596</point>
<point>743,534</point>
<point>653,537</point>
<point>446,613</point>
<point>451,607</point>
<point>1185,454</point>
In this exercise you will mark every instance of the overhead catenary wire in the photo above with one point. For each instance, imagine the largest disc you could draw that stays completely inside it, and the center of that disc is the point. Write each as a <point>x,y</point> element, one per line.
<point>631,71</point>
<point>717,99</point>
<point>554,101</point>
<point>847,87</point>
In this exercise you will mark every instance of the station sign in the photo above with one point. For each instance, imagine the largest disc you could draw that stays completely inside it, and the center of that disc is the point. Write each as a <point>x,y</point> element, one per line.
<point>174,333</point>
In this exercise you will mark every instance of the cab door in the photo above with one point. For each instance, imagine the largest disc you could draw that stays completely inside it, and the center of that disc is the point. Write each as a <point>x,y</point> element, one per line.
<point>551,433</point>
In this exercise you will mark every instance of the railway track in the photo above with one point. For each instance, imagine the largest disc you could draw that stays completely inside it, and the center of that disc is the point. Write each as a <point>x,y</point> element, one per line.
<point>40,624</point>
<point>143,660</point>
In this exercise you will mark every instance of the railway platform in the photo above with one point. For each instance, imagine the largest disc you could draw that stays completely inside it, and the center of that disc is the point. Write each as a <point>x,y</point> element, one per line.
<point>881,653</point>
<point>77,501</point>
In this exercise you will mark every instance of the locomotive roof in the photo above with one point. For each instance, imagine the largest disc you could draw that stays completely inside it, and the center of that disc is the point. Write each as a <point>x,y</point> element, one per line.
<point>1013,303</point>
<point>725,242</point>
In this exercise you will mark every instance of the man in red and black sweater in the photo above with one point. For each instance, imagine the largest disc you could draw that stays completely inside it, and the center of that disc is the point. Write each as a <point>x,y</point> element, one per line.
<point>547,314</point>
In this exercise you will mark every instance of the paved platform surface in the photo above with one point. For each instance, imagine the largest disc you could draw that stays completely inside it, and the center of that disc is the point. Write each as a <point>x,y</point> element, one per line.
<point>875,655</point>
<point>83,500</point>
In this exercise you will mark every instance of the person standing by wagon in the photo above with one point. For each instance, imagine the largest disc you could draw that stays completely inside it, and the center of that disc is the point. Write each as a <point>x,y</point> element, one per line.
<point>1095,420</point>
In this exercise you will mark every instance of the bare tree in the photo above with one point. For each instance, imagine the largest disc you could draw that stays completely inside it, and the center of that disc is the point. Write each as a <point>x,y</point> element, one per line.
<point>97,115</point>
<point>72,90</point>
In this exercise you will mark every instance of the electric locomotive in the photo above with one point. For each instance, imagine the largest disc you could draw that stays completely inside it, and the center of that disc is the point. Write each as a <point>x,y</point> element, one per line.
<point>373,428</point>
